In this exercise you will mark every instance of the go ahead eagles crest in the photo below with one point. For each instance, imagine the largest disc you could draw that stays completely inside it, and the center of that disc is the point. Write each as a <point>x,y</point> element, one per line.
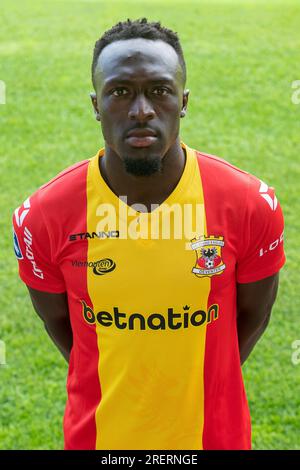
<point>208,256</point>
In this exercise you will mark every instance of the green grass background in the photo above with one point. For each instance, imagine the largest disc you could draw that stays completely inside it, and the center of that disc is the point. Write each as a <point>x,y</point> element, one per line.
<point>242,57</point>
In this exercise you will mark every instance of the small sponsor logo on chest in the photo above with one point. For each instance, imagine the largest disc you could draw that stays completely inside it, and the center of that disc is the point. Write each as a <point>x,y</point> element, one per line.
<point>100,267</point>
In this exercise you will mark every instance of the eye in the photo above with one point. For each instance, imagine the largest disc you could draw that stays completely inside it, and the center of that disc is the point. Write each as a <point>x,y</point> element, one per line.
<point>161,90</point>
<point>119,91</point>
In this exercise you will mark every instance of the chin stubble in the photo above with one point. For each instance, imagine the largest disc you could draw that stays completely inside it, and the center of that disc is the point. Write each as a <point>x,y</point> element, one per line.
<point>143,166</point>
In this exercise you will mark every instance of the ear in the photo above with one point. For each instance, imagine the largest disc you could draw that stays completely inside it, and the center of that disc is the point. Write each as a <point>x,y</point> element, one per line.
<point>95,105</point>
<point>184,102</point>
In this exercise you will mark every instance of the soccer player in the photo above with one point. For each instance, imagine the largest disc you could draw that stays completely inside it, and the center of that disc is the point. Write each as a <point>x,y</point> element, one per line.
<point>153,266</point>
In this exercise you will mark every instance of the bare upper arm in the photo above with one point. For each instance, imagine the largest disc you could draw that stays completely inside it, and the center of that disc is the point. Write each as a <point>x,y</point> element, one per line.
<point>49,306</point>
<point>257,298</point>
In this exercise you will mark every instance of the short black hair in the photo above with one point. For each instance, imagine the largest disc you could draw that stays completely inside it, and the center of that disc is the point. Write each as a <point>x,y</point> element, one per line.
<point>140,28</point>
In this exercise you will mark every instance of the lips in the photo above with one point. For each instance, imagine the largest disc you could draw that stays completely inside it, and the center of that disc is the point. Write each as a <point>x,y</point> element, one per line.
<point>141,133</point>
<point>141,137</point>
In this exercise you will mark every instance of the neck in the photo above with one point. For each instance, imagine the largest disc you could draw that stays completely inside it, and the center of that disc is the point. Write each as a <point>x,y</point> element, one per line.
<point>145,190</point>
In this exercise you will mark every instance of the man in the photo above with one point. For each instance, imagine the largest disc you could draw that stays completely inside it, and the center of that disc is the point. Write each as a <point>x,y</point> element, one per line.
<point>154,316</point>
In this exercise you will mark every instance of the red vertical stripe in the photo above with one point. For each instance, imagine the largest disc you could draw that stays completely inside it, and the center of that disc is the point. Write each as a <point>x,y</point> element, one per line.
<point>84,393</point>
<point>226,415</point>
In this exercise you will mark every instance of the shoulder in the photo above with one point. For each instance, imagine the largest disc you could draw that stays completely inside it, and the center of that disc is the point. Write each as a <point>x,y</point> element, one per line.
<point>236,195</point>
<point>228,179</point>
<point>212,166</point>
<point>225,186</point>
<point>62,192</point>
<point>67,181</point>
<point>55,198</point>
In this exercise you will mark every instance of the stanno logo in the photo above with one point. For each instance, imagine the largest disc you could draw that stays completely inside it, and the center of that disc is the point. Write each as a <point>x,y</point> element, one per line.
<point>156,321</point>
<point>21,212</point>
<point>272,201</point>
<point>87,235</point>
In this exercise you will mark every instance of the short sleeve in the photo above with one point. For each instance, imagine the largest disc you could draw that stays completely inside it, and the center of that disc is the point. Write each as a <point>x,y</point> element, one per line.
<point>32,248</point>
<point>261,251</point>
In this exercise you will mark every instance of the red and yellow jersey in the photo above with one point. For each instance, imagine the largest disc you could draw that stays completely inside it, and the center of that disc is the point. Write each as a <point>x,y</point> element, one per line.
<point>155,360</point>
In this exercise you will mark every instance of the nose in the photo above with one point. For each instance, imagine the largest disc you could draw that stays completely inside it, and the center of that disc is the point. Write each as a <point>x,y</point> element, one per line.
<point>141,109</point>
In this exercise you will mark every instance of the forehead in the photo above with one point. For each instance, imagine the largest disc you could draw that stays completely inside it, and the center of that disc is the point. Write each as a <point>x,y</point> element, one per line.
<point>135,58</point>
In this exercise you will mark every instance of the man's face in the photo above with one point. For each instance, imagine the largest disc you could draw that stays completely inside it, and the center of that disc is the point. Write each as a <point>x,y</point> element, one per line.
<point>139,90</point>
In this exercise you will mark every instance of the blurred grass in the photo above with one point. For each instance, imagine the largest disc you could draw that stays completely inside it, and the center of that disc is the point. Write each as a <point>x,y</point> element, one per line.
<point>242,57</point>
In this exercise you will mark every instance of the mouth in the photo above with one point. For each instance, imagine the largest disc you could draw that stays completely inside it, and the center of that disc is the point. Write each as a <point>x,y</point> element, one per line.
<point>141,137</point>
<point>145,141</point>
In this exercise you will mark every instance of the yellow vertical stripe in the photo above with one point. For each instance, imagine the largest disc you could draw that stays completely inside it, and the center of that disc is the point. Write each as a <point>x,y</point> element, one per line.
<point>152,380</point>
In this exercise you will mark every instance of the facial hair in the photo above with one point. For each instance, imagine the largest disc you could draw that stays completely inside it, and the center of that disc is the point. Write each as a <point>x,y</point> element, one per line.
<point>143,166</point>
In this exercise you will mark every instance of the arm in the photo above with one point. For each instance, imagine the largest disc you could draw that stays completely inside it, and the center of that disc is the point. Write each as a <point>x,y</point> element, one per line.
<point>53,310</point>
<point>39,269</point>
<point>254,304</point>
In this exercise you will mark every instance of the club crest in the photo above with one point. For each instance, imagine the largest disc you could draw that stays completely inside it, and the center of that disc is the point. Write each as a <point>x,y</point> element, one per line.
<point>208,256</point>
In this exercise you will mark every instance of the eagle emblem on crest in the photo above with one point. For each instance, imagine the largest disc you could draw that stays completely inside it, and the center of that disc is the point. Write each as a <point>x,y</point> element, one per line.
<point>208,251</point>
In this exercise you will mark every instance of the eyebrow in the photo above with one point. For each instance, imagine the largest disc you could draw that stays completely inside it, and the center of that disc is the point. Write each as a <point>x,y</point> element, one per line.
<point>125,81</point>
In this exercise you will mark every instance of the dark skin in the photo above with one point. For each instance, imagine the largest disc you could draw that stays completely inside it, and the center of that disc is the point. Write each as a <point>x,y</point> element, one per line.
<point>53,311</point>
<point>154,97</point>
